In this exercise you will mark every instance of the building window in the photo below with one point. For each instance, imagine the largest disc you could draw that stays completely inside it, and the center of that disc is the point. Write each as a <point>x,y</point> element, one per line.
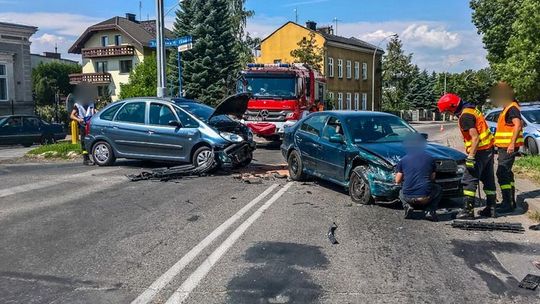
<point>277,61</point>
<point>101,67</point>
<point>349,69</point>
<point>104,40</point>
<point>331,96</point>
<point>126,66</point>
<point>356,70</point>
<point>364,71</point>
<point>330,67</point>
<point>3,83</point>
<point>364,101</point>
<point>340,101</point>
<point>117,39</point>
<point>349,101</point>
<point>340,68</point>
<point>357,101</point>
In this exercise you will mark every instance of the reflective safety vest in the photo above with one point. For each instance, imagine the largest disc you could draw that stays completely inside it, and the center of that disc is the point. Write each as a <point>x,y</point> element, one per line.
<point>486,138</point>
<point>85,114</point>
<point>503,135</point>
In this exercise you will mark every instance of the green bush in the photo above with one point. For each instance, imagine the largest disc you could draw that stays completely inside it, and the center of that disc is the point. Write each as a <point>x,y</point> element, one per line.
<point>47,114</point>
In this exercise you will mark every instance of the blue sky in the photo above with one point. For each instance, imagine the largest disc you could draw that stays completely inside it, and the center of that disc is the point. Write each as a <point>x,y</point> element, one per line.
<point>439,33</point>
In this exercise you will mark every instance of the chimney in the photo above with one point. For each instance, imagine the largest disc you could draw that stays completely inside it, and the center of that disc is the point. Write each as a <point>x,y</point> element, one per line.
<point>131,17</point>
<point>329,30</point>
<point>312,25</point>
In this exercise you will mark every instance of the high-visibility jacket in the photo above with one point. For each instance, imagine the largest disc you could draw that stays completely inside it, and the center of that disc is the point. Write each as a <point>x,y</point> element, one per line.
<point>486,138</point>
<point>503,135</point>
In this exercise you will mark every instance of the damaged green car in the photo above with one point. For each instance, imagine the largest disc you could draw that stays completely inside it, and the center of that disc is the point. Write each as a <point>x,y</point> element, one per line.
<point>359,150</point>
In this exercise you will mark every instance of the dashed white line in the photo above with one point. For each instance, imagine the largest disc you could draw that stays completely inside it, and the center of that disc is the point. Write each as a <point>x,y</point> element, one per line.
<point>170,274</point>
<point>182,293</point>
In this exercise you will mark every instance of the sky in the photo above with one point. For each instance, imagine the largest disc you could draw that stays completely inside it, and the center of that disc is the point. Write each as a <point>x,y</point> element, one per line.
<point>439,33</point>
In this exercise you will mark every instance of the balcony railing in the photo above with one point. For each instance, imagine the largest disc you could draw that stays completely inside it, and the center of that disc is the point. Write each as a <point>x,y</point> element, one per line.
<point>108,51</point>
<point>96,78</point>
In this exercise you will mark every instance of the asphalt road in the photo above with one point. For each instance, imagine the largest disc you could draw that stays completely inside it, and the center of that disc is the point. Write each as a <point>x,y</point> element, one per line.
<point>73,234</point>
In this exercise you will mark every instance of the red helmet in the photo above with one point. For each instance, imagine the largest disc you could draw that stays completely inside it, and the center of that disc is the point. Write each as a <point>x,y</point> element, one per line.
<point>448,103</point>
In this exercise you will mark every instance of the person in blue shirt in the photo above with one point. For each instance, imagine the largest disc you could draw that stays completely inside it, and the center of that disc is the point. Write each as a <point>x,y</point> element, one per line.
<point>416,173</point>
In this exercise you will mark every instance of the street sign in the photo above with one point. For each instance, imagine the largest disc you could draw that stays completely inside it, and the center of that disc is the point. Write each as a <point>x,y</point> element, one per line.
<point>185,47</point>
<point>172,42</point>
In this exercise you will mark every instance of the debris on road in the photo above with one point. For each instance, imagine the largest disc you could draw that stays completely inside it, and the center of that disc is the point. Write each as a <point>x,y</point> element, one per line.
<point>178,172</point>
<point>488,226</point>
<point>537,264</point>
<point>530,281</point>
<point>535,227</point>
<point>255,174</point>
<point>331,234</point>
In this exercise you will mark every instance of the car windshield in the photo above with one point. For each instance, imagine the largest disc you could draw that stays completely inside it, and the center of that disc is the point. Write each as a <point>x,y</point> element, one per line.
<point>2,119</point>
<point>269,86</point>
<point>532,116</point>
<point>369,129</point>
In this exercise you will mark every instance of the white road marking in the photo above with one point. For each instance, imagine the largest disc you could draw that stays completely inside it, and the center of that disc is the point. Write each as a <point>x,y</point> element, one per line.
<point>170,274</point>
<point>49,183</point>
<point>181,294</point>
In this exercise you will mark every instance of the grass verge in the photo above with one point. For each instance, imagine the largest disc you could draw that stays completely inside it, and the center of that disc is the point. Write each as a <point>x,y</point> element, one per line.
<point>534,215</point>
<point>64,150</point>
<point>528,166</point>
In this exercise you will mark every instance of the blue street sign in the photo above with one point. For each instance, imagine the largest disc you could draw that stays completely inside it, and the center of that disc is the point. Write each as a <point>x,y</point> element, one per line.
<point>173,42</point>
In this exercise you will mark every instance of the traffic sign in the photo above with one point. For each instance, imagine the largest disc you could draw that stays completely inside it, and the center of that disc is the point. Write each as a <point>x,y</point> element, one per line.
<point>185,47</point>
<point>173,42</point>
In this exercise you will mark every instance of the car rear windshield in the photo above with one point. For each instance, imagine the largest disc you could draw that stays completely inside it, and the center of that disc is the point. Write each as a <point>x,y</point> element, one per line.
<point>370,129</point>
<point>532,116</point>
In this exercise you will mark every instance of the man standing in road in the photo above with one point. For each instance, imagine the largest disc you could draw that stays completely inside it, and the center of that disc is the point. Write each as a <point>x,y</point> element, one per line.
<point>479,148</point>
<point>82,112</point>
<point>508,139</point>
<point>416,173</point>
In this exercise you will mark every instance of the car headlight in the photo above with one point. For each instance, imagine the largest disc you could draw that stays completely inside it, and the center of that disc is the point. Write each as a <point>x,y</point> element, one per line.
<point>460,169</point>
<point>231,137</point>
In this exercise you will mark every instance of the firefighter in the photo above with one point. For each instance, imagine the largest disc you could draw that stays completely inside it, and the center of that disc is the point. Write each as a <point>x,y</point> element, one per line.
<point>82,112</point>
<point>508,140</point>
<point>479,148</point>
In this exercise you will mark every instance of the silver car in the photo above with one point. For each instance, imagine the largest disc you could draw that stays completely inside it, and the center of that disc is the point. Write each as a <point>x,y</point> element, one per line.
<point>171,130</point>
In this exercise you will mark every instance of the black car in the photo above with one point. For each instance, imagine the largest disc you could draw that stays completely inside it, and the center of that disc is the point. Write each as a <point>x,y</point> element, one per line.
<point>27,129</point>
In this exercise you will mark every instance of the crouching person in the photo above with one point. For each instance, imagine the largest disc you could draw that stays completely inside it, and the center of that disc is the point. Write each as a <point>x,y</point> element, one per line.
<point>416,174</point>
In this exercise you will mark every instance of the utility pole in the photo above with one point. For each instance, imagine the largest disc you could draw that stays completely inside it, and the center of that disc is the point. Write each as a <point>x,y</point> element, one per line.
<point>160,43</point>
<point>448,65</point>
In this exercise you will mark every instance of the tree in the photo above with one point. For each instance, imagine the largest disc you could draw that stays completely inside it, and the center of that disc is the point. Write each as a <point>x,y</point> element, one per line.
<point>521,67</point>
<point>472,86</point>
<point>50,78</point>
<point>309,52</point>
<point>421,93</point>
<point>142,80</point>
<point>397,74</point>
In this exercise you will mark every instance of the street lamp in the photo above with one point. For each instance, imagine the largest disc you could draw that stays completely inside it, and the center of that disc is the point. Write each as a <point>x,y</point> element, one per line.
<point>373,71</point>
<point>160,44</point>
<point>448,65</point>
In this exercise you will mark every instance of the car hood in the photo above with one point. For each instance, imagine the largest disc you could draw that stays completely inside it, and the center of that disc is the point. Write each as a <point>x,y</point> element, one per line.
<point>392,152</point>
<point>235,105</point>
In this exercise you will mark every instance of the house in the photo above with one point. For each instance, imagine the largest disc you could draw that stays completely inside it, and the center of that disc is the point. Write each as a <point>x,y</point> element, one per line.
<point>36,59</point>
<point>348,63</point>
<point>111,49</point>
<point>15,69</point>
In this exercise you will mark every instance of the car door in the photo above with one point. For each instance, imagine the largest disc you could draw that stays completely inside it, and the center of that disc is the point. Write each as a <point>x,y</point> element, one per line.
<point>129,132</point>
<point>307,140</point>
<point>10,131</point>
<point>492,120</point>
<point>332,155</point>
<point>169,142</point>
<point>32,129</point>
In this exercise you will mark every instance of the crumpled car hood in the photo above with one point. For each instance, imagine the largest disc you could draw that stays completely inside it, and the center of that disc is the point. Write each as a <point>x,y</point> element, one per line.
<point>392,152</point>
<point>235,105</point>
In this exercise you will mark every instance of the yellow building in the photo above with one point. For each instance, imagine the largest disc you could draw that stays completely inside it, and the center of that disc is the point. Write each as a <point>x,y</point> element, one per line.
<point>110,50</point>
<point>348,63</point>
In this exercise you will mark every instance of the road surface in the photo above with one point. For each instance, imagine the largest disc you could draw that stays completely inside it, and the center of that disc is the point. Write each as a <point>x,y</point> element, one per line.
<point>73,234</point>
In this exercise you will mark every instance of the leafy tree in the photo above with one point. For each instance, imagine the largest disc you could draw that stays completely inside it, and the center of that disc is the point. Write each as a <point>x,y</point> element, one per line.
<point>142,80</point>
<point>50,78</point>
<point>309,52</point>
<point>472,86</point>
<point>397,74</point>
<point>421,93</point>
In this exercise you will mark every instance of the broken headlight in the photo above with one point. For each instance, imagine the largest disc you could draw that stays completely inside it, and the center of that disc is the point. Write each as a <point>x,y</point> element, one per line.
<point>231,137</point>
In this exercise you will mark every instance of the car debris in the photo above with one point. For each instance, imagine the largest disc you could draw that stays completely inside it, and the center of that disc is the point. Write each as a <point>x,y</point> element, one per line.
<point>536,264</point>
<point>488,226</point>
<point>331,234</point>
<point>530,281</point>
<point>177,172</point>
<point>535,227</point>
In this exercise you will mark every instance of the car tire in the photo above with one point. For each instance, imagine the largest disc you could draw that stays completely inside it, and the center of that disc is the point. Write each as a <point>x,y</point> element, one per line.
<point>359,188</point>
<point>201,155</point>
<point>47,140</point>
<point>532,147</point>
<point>296,167</point>
<point>26,145</point>
<point>103,154</point>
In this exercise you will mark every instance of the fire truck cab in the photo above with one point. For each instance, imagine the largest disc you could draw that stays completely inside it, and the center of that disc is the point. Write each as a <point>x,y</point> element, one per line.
<point>281,95</point>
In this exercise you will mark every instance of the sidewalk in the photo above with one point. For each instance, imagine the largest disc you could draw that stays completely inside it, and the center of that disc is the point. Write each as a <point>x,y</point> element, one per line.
<point>529,192</point>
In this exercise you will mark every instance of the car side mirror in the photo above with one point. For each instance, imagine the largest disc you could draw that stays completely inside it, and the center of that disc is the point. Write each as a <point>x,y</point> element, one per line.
<point>424,135</point>
<point>175,123</point>
<point>337,139</point>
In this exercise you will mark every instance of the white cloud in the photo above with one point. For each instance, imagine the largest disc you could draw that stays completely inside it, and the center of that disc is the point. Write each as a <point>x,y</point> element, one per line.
<point>60,23</point>
<point>262,26</point>
<point>425,36</point>
<point>378,35</point>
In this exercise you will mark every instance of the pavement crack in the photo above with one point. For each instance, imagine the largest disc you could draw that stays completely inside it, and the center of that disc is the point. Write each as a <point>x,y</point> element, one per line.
<point>75,284</point>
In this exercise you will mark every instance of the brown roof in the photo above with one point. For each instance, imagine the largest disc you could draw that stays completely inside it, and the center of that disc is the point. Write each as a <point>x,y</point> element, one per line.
<point>140,32</point>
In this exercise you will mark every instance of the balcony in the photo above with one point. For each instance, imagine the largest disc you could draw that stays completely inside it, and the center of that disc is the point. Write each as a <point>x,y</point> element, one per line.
<point>95,78</point>
<point>108,51</point>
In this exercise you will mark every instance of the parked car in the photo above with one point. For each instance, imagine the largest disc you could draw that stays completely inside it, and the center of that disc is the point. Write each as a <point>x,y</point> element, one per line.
<point>163,130</point>
<point>359,150</point>
<point>530,113</point>
<point>28,129</point>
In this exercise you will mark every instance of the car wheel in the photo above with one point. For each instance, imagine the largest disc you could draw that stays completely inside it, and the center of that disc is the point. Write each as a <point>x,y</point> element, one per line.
<point>532,147</point>
<point>359,188</point>
<point>26,145</point>
<point>202,155</point>
<point>47,140</point>
<point>103,154</point>
<point>296,167</point>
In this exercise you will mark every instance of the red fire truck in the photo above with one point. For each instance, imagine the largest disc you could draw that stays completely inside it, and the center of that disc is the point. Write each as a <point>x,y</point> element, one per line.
<point>282,94</point>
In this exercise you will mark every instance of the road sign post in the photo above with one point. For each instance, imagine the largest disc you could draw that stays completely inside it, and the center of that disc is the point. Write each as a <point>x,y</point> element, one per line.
<point>183,44</point>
